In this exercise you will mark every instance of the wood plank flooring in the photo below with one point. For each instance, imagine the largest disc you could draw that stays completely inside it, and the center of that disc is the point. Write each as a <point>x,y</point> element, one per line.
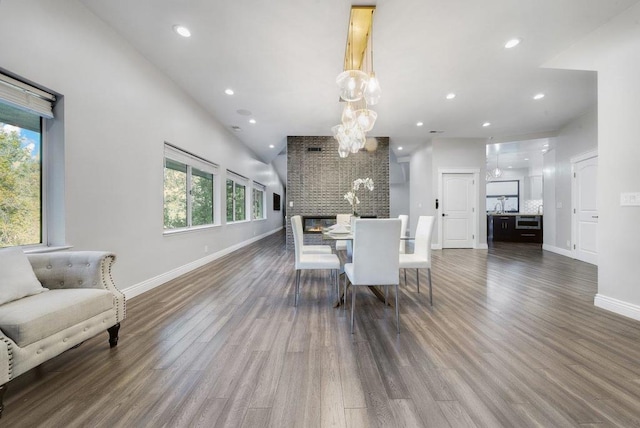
<point>513,340</point>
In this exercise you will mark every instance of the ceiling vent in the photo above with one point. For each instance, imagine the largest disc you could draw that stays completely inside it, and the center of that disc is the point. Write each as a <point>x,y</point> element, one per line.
<point>435,132</point>
<point>314,149</point>
<point>236,128</point>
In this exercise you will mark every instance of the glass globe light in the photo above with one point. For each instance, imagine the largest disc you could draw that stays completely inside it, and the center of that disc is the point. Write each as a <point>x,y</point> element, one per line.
<point>348,115</point>
<point>343,153</point>
<point>336,130</point>
<point>351,84</point>
<point>496,172</point>
<point>366,119</point>
<point>372,92</point>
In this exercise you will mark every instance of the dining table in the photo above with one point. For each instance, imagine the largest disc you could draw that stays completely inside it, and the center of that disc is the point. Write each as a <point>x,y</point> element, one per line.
<point>335,234</point>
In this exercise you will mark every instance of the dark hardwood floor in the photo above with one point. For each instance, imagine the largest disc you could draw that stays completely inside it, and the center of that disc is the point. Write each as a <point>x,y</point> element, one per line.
<point>513,340</point>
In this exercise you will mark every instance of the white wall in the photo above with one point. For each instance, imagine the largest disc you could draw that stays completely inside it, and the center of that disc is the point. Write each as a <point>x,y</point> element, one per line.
<point>469,153</point>
<point>119,111</point>
<point>578,137</point>
<point>399,189</point>
<point>421,189</point>
<point>612,50</point>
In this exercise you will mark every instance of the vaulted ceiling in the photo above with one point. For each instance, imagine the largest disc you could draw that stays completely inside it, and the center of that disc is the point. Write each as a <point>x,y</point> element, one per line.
<point>281,59</point>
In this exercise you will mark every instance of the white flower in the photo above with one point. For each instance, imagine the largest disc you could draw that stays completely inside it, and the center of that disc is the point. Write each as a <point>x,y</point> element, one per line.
<point>351,194</point>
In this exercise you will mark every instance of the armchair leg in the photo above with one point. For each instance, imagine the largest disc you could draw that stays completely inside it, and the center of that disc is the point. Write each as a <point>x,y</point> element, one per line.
<point>430,292</point>
<point>418,278</point>
<point>3,389</point>
<point>113,335</point>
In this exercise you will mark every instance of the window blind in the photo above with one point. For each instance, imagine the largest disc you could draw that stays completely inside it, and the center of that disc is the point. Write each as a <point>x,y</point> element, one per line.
<point>237,177</point>
<point>259,186</point>
<point>26,97</point>
<point>179,155</point>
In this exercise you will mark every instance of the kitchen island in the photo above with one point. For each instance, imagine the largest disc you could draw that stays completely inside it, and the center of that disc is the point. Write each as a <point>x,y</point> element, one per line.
<point>514,227</point>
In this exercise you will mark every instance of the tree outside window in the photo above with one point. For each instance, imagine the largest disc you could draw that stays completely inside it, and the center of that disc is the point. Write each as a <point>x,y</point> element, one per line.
<point>20,178</point>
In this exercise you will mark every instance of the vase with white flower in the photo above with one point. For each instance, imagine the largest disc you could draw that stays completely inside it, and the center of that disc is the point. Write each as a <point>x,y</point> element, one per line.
<point>352,197</point>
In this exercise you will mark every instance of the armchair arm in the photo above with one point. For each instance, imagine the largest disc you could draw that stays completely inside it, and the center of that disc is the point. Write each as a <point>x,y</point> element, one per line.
<point>78,269</point>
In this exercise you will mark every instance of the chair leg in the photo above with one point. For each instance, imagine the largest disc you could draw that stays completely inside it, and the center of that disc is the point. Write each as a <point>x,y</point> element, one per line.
<point>297,288</point>
<point>353,304</point>
<point>344,294</point>
<point>405,277</point>
<point>397,312</point>
<point>418,278</point>
<point>430,291</point>
<point>386,294</point>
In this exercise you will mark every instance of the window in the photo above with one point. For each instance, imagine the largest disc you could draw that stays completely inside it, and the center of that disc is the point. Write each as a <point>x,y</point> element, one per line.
<point>507,192</point>
<point>23,109</point>
<point>189,190</point>
<point>258,201</point>
<point>236,197</point>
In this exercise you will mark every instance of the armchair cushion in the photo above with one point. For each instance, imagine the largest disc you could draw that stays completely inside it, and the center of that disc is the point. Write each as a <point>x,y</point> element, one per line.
<point>18,279</point>
<point>27,321</point>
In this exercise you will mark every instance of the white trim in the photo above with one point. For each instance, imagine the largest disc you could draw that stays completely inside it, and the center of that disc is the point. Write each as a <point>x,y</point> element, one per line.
<point>156,281</point>
<point>481,247</point>
<point>584,156</point>
<point>476,185</point>
<point>436,247</point>
<point>619,307</point>
<point>557,250</point>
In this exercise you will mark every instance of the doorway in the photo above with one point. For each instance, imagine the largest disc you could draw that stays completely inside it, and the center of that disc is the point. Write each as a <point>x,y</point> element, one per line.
<point>457,221</point>
<point>585,208</point>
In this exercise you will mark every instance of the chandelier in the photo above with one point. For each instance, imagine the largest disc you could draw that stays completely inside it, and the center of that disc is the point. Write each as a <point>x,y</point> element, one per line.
<point>357,84</point>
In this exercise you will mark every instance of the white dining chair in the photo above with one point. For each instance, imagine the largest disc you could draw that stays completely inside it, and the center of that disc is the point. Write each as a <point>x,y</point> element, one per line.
<point>341,245</point>
<point>421,256</point>
<point>375,258</point>
<point>308,249</point>
<point>403,232</point>
<point>308,261</point>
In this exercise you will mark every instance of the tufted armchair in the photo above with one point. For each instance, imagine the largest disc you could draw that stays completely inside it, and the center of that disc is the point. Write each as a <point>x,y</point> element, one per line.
<point>81,301</point>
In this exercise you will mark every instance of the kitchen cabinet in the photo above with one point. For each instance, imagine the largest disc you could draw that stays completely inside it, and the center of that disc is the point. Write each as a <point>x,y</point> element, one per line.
<point>514,228</point>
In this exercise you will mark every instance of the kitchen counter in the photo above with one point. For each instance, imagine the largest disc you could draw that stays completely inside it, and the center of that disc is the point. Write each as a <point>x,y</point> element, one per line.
<point>514,227</point>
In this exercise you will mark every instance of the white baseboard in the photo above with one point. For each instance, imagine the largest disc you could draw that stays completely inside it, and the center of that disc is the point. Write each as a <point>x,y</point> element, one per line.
<point>617,306</point>
<point>151,283</point>
<point>482,247</point>
<point>557,250</point>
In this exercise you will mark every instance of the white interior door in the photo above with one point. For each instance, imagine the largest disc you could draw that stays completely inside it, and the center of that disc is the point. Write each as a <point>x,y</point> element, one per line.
<point>586,211</point>
<point>457,210</point>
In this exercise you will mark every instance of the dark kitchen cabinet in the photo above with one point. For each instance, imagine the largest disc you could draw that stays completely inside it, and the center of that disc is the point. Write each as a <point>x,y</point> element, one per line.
<point>514,228</point>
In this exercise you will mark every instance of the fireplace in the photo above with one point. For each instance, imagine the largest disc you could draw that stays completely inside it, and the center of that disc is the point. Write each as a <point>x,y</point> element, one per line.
<point>315,224</point>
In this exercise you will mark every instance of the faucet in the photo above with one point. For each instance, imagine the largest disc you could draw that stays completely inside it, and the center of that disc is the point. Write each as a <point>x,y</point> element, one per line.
<point>498,208</point>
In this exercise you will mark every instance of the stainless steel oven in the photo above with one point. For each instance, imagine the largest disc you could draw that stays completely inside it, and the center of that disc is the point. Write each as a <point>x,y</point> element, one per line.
<point>528,222</point>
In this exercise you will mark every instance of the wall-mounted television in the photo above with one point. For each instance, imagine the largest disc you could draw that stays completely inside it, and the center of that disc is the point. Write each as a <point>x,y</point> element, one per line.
<point>276,202</point>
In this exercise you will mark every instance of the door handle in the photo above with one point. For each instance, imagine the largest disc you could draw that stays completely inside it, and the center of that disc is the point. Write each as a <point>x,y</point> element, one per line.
<point>594,216</point>
<point>444,215</point>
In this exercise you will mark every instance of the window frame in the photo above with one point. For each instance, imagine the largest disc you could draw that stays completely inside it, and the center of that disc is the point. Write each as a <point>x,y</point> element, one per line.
<point>257,187</point>
<point>47,106</point>
<point>191,162</point>
<point>516,196</point>
<point>237,179</point>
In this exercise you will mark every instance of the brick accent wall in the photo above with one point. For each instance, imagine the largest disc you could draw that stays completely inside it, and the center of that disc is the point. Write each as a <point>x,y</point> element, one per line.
<point>318,180</point>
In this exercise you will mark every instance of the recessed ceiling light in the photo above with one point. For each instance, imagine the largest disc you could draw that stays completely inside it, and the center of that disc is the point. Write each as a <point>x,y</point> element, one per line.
<point>544,150</point>
<point>486,124</point>
<point>183,31</point>
<point>419,124</point>
<point>451,96</point>
<point>400,148</point>
<point>538,96</point>
<point>509,166</point>
<point>252,121</point>
<point>545,145</point>
<point>512,43</point>
<point>229,91</point>
<point>526,158</point>
<point>271,146</point>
